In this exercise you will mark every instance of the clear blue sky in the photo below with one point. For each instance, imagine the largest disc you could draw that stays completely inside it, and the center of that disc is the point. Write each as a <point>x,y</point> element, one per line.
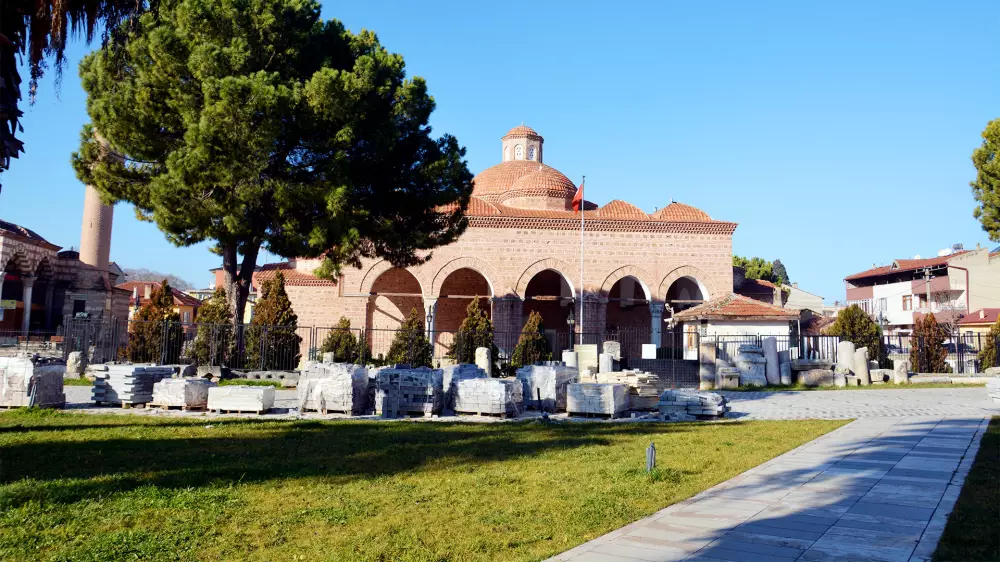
<point>836,134</point>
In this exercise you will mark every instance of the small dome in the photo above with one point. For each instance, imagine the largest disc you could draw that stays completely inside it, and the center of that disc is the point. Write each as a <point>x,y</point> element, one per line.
<point>680,212</point>
<point>520,132</point>
<point>547,179</point>
<point>619,209</point>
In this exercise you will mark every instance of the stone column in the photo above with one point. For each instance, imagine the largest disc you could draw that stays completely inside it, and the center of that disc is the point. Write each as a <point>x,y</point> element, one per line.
<point>27,283</point>
<point>507,315</point>
<point>49,290</point>
<point>430,314</point>
<point>1,291</point>
<point>656,309</point>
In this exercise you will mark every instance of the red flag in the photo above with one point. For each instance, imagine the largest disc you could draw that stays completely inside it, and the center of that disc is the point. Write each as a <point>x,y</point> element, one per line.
<point>578,199</point>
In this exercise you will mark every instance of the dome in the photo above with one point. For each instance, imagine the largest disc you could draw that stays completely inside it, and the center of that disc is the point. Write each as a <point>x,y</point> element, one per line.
<point>679,212</point>
<point>496,180</point>
<point>619,209</point>
<point>545,188</point>
<point>521,131</point>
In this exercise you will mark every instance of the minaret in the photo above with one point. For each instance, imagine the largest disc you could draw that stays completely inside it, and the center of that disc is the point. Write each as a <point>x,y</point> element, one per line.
<point>95,237</point>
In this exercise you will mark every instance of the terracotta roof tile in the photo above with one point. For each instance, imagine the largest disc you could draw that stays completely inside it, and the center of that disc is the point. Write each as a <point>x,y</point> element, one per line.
<point>903,265</point>
<point>733,306</point>
<point>522,131</point>
<point>499,179</point>
<point>17,230</point>
<point>981,316</point>
<point>180,298</point>
<point>545,179</point>
<point>293,277</point>
<point>619,209</point>
<point>681,212</point>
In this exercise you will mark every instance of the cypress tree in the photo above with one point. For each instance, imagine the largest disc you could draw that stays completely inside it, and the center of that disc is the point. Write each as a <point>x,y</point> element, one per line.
<point>271,339</point>
<point>532,346</point>
<point>988,355</point>
<point>154,334</point>
<point>928,352</point>
<point>410,345</point>
<point>475,331</point>
<point>215,330</point>
<point>344,346</point>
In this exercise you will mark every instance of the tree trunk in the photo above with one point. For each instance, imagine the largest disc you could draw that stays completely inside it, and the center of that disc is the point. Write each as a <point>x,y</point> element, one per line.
<point>238,278</point>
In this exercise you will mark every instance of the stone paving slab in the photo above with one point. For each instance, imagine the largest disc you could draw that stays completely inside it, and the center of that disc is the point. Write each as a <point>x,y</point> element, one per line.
<point>782,511</point>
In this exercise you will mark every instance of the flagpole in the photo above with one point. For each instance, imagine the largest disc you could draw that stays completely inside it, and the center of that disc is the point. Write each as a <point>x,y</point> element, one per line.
<point>583,201</point>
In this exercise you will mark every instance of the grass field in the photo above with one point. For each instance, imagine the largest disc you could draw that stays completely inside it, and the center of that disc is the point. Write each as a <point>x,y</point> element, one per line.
<point>973,530</point>
<point>89,487</point>
<point>77,382</point>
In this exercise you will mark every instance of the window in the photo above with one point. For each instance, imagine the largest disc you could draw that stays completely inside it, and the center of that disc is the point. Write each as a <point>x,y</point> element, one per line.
<point>923,301</point>
<point>186,317</point>
<point>531,153</point>
<point>79,306</point>
<point>907,302</point>
<point>518,152</point>
<point>883,304</point>
<point>506,153</point>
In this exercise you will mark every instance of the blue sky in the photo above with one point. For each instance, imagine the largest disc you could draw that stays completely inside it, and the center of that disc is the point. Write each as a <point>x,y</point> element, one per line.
<point>836,134</point>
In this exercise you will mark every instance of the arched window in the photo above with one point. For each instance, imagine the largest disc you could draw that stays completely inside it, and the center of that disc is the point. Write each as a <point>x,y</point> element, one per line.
<point>531,153</point>
<point>518,152</point>
<point>506,153</point>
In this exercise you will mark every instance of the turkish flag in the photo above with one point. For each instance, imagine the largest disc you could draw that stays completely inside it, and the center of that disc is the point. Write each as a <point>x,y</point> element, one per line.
<point>578,199</point>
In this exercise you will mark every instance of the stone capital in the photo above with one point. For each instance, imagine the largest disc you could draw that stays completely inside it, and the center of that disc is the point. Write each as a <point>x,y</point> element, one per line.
<point>28,280</point>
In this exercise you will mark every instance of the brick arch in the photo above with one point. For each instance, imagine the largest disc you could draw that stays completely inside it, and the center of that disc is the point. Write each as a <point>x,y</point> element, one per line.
<point>19,260</point>
<point>475,264</point>
<point>628,271</point>
<point>44,269</point>
<point>549,263</point>
<point>686,271</point>
<point>375,271</point>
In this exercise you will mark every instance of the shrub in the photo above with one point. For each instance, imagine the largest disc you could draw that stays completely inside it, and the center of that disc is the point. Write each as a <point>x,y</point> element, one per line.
<point>214,337</point>
<point>988,355</point>
<point>410,345</point>
<point>532,346</point>
<point>155,334</point>
<point>476,331</point>
<point>854,325</point>
<point>345,347</point>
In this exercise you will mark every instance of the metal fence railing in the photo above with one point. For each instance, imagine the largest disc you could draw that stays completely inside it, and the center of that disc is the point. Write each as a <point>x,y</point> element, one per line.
<point>961,353</point>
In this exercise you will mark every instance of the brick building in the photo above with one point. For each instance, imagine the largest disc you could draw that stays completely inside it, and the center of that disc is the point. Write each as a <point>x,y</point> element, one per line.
<point>521,253</point>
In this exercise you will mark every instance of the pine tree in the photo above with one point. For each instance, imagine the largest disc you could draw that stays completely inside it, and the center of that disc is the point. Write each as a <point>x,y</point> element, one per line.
<point>410,345</point>
<point>345,347</point>
<point>854,325</point>
<point>929,353</point>
<point>271,339</point>
<point>988,356</point>
<point>532,346</point>
<point>214,337</point>
<point>155,333</point>
<point>476,331</point>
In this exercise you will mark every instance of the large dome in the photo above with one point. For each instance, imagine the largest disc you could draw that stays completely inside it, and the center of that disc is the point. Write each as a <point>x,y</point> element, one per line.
<point>524,184</point>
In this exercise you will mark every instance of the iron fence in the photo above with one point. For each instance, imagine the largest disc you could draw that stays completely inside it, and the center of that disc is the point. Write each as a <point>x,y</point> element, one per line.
<point>961,353</point>
<point>44,343</point>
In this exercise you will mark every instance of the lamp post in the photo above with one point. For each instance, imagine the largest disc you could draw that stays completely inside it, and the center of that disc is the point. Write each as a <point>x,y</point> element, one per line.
<point>571,321</point>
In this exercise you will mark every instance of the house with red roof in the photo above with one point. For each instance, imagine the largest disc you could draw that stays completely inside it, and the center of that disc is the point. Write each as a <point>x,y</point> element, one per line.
<point>185,305</point>
<point>979,321</point>
<point>949,286</point>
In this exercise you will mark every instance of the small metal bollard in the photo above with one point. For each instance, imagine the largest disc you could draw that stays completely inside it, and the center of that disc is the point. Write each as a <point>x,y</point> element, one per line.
<point>650,458</point>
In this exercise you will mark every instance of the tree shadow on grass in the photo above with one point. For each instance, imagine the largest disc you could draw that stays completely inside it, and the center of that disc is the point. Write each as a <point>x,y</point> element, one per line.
<point>153,453</point>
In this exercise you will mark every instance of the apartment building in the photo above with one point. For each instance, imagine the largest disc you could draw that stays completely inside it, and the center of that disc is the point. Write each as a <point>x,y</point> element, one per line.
<point>951,285</point>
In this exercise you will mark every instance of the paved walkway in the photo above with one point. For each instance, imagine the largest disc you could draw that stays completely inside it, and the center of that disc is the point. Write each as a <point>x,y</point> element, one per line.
<point>850,404</point>
<point>879,488</point>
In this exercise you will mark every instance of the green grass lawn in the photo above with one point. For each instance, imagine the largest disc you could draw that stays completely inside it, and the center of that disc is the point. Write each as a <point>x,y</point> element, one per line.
<point>973,530</point>
<point>77,382</point>
<point>88,487</point>
<point>883,386</point>
<point>249,382</point>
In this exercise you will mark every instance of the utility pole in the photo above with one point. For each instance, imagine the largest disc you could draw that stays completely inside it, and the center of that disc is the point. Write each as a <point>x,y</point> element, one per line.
<point>927,286</point>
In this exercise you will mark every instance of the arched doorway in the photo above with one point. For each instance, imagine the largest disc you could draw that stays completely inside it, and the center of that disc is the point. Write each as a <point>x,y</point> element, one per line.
<point>394,294</point>
<point>457,291</point>
<point>685,292</point>
<point>551,295</point>
<point>628,315</point>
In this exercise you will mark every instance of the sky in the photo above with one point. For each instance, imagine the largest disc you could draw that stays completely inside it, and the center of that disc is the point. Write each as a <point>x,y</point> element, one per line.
<point>837,134</point>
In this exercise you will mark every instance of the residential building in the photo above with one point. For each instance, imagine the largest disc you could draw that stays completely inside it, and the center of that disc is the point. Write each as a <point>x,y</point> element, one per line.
<point>979,322</point>
<point>949,286</point>
<point>802,299</point>
<point>185,305</point>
